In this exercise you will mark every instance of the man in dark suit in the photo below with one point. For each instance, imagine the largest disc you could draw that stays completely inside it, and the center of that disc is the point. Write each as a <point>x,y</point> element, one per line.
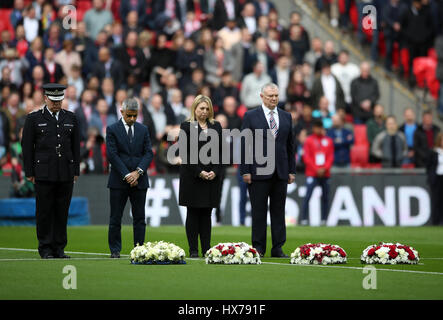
<point>107,67</point>
<point>223,11</point>
<point>129,152</point>
<point>51,154</point>
<point>272,123</point>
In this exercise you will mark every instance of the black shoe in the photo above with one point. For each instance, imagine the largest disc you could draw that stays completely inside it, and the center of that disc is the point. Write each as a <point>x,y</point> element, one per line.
<point>280,255</point>
<point>62,256</point>
<point>193,255</point>
<point>47,256</point>
<point>115,255</point>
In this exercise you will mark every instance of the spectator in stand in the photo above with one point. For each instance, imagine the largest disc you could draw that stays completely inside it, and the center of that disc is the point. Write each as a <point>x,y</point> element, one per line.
<point>53,38</point>
<point>38,98</point>
<point>53,71</point>
<point>326,84</point>
<point>13,113</point>
<point>374,126</point>
<point>225,89</point>
<point>305,120</point>
<point>328,56</point>
<point>315,53</point>
<point>84,113</point>
<point>93,153</point>
<point>188,59</point>
<point>408,128</point>
<point>300,140</point>
<point>192,24</point>
<point>223,11</point>
<point>15,64</point>
<point>107,91</point>
<point>280,75</point>
<point>416,23</point>
<point>343,140</point>
<point>47,15</point>
<point>261,54</point>
<point>241,53</point>
<point>345,72</point>
<point>132,24</point>
<point>101,118</point>
<point>138,6</point>
<point>297,93</point>
<point>323,113</point>
<point>162,61</point>
<point>251,84</point>
<point>34,55</point>
<point>177,106</point>
<point>76,80</point>
<point>31,24</point>
<point>390,145</point>
<point>295,19</point>
<point>298,43</point>
<point>16,16</point>
<point>391,14</point>
<point>71,98</point>
<point>364,93</point>
<point>216,61</point>
<point>131,57</point>
<point>4,134</point>
<point>434,170</point>
<point>262,27</point>
<point>263,7</point>
<point>248,19</point>
<point>6,79</point>
<point>230,34</point>
<point>6,42</point>
<point>196,83</point>
<point>116,38</point>
<point>107,67</point>
<point>424,137</point>
<point>68,57</point>
<point>439,73</point>
<point>38,77</point>
<point>318,156</point>
<point>158,113</point>
<point>230,110</point>
<point>97,18</point>
<point>273,43</point>
<point>84,45</point>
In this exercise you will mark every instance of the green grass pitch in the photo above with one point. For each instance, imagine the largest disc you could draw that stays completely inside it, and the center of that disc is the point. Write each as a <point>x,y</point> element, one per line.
<point>24,276</point>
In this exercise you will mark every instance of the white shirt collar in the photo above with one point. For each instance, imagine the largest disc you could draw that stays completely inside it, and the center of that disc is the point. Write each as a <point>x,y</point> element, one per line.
<point>267,110</point>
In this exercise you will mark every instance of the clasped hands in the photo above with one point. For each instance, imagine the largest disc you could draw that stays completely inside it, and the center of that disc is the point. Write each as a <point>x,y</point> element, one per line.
<point>132,178</point>
<point>207,175</point>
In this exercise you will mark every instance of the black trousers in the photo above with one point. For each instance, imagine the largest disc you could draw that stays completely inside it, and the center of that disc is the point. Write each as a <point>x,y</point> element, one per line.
<point>260,191</point>
<point>118,199</point>
<point>52,206</point>
<point>198,222</point>
<point>437,201</point>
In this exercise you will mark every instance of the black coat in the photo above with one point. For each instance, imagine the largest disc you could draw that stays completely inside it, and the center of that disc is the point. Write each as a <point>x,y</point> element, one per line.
<point>194,191</point>
<point>221,16</point>
<point>431,167</point>
<point>51,149</point>
<point>421,147</point>
<point>116,72</point>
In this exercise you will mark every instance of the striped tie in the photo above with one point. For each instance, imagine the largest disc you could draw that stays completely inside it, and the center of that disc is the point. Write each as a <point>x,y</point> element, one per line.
<point>273,124</point>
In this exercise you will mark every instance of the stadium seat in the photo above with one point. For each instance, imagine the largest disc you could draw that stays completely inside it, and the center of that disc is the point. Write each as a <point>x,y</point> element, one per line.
<point>408,166</point>
<point>5,23</point>
<point>360,135</point>
<point>359,156</point>
<point>241,110</point>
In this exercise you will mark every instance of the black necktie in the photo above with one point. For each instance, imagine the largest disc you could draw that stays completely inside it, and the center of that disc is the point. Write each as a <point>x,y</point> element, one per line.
<point>54,114</point>
<point>130,134</point>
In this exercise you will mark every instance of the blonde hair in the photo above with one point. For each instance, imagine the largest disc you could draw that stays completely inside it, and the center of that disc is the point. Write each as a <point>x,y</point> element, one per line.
<point>199,99</point>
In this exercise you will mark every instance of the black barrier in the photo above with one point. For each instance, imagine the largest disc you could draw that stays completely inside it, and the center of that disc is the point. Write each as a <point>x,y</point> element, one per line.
<point>355,199</point>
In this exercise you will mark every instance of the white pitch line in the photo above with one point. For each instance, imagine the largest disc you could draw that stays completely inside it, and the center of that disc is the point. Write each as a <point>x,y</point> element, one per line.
<point>355,268</point>
<point>72,252</point>
<point>39,259</point>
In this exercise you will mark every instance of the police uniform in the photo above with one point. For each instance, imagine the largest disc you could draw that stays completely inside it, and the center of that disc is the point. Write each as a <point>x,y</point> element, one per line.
<point>51,153</point>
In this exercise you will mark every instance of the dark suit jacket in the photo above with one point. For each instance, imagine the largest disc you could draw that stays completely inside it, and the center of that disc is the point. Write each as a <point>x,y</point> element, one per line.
<point>194,191</point>
<point>318,91</point>
<point>221,16</point>
<point>284,144</point>
<point>126,157</point>
<point>116,72</point>
<point>431,168</point>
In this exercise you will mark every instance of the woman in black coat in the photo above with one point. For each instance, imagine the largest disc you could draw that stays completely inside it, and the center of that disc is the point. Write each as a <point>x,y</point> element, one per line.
<point>434,169</point>
<point>199,183</point>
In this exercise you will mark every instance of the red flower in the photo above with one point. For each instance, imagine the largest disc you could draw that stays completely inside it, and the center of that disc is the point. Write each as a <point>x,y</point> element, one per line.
<point>253,250</point>
<point>371,252</point>
<point>393,254</point>
<point>342,253</point>
<point>411,256</point>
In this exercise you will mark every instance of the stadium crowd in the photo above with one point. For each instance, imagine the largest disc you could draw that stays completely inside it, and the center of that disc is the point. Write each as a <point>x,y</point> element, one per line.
<point>165,52</point>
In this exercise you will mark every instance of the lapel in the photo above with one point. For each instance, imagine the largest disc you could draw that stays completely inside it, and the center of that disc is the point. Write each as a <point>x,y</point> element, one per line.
<point>123,132</point>
<point>61,115</point>
<point>262,118</point>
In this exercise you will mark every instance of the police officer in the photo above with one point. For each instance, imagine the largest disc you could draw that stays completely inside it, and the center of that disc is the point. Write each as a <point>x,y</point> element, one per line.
<point>51,152</point>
